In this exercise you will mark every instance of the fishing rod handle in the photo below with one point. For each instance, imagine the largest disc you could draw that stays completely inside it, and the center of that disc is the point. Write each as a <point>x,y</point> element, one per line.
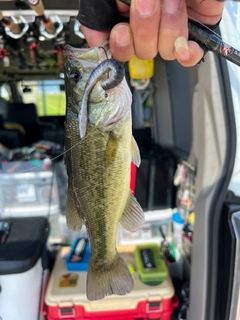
<point>214,43</point>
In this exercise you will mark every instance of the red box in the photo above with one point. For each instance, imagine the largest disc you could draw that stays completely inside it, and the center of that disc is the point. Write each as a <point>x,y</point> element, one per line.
<point>133,177</point>
<point>143,303</point>
<point>145,310</point>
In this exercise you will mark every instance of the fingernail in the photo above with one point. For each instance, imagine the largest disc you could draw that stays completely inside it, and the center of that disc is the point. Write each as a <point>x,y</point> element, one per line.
<point>171,6</point>
<point>146,8</point>
<point>122,35</point>
<point>181,47</point>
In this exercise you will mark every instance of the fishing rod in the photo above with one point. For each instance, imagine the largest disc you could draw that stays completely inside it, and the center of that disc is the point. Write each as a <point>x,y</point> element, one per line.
<point>9,23</point>
<point>38,8</point>
<point>32,43</point>
<point>3,52</point>
<point>210,41</point>
<point>59,45</point>
<point>14,28</point>
<point>48,28</point>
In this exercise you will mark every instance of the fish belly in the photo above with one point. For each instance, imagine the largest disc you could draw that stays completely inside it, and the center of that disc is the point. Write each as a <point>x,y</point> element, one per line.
<point>99,178</point>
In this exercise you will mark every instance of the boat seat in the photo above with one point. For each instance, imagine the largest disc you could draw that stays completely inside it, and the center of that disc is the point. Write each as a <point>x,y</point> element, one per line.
<point>26,115</point>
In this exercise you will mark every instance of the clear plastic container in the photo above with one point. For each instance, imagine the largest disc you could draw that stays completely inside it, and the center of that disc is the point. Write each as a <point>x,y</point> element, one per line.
<point>150,232</point>
<point>28,190</point>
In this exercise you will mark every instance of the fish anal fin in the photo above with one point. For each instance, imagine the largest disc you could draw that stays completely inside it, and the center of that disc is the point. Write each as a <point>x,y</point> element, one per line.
<point>106,280</point>
<point>133,215</point>
<point>136,159</point>
<point>74,221</point>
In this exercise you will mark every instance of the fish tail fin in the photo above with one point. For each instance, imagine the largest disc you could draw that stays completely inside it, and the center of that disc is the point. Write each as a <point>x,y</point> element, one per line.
<point>108,279</point>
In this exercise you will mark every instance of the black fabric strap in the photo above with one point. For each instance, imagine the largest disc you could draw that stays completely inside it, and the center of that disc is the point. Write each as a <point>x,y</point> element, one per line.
<point>99,15</point>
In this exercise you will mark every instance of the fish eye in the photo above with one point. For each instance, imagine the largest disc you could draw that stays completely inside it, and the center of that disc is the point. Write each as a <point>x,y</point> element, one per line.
<point>75,75</point>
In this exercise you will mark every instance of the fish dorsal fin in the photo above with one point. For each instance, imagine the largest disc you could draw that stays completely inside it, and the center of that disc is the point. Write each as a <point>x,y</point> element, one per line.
<point>136,159</point>
<point>133,216</point>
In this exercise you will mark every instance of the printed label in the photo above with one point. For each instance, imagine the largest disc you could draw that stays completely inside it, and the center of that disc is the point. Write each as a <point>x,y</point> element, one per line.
<point>146,231</point>
<point>68,280</point>
<point>147,258</point>
<point>226,49</point>
<point>26,193</point>
<point>33,2</point>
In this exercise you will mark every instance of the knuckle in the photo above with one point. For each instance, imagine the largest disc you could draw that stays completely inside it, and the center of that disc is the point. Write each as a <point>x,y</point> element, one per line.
<point>167,56</point>
<point>146,55</point>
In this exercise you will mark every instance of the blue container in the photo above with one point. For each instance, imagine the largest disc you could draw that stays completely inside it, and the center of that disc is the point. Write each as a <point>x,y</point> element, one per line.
<point>74,265</point>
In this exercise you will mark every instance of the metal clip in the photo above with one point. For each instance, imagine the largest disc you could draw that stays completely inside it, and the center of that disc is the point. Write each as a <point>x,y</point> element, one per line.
<point>17,22</point>
<point>153,307</point>
<point>66,312</point>
<point>58,29</point>
<point>76,28</point>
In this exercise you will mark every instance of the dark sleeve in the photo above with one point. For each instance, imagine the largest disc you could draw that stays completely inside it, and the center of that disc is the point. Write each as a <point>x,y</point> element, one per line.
<point>98,15</point>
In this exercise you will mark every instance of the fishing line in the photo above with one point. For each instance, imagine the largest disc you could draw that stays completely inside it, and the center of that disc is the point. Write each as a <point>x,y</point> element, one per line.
<point>201,23</point>
<point>107,58</point>
<point>104,51</point>
<point>53,159</point>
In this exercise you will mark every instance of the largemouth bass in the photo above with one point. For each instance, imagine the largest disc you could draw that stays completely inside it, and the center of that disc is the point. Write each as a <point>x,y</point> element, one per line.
<point>99,150</point>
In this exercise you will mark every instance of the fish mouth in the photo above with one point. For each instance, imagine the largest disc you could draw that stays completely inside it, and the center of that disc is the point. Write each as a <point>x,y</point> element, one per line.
<point>72,50</point>
<point>90,57</point>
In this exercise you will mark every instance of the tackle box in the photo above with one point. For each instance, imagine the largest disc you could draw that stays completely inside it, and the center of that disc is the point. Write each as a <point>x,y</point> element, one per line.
<point>29,189</point>
<point>66,297</point>
<point>149,264</point>
<point>79,255</point>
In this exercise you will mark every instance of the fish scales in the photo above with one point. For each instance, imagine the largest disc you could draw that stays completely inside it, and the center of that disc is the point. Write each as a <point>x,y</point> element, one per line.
<point>100,148</point>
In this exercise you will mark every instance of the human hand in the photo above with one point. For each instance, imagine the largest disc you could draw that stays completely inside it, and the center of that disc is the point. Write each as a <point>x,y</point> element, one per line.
<point>157,27</point>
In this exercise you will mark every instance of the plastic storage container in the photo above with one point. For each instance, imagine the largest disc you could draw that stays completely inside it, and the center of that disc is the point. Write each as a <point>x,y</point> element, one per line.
<point>79,255</point>
<point>150,266</point>
<point>22,261</point>
<point>178,224</point>
<point>150,232</point>
<point>28,190</point>
<point>66,298</point>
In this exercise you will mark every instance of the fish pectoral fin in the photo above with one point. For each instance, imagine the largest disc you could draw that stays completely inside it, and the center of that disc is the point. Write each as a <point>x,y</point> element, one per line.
<point>136,159</point>
<point>74,221</point>
<point>133,216</point>
<point>112,278</point>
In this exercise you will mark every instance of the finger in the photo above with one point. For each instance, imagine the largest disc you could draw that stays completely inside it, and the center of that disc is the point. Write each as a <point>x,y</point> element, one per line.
<point>144,21</point>
<point>94,38</point>
<point>188,53</point>
<point>208,12</point>
<point>174,23</point>
<point>123,9</point>
<point>121,42</point>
